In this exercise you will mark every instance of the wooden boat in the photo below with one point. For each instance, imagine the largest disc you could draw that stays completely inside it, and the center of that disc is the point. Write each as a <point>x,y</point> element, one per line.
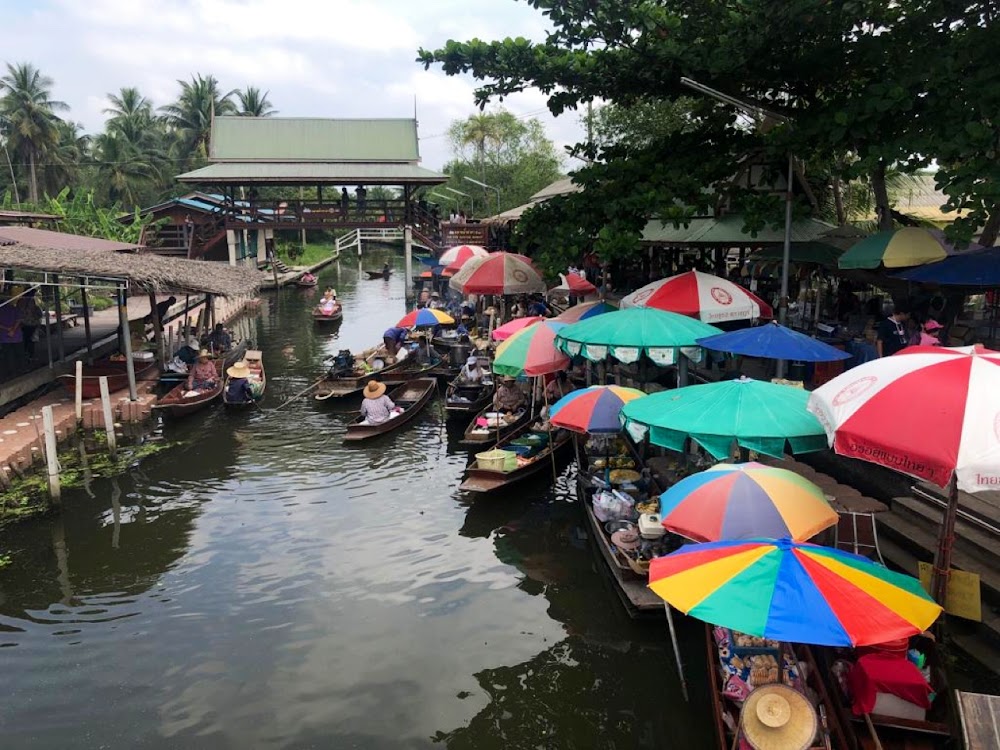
<point>465,399</point>
<point>306,283</point>
<point>477,437</point>
<point>255,360</point>
<point>412,397</point>
<point>175,404</point>
<point>831,734</point>
<point>483,481</point>
<point>341,385</point>
<point>335,317</point>
<point>894,733</point>
<point>378,274</point>
<point>114,370</point>
<point>228,359</point>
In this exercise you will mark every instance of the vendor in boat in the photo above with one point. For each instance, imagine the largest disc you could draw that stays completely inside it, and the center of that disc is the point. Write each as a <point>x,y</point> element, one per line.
<point>508,398</point>
<point>471,373</point>
<point>328,305</point>
<point>393,338</point>
<point>239,391</point>
<point>203,376</point>
<point>558,387</point>
<point>219,340</point>
<point>376,407</point>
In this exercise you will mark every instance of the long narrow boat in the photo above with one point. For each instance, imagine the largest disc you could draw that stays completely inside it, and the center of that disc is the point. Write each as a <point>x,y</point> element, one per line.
<point>372,275</point>
<point>176,404</point>
<point>483,481</point>
<point>464,400</point>
<point>477,436</point>
<point>227,359</point>
<point>114,370</point>
<point>412,397</point>
<point>258,381</point>
<point>341,385</point>
<point>321,318</point>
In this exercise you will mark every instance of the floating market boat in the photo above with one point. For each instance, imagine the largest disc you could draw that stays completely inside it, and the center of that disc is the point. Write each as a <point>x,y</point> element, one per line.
<point>177,404</point>
<point>412,397</point>
<point>257,377</point>
<point>114,370</point>
<point>482,430</point>
<point>520,456</point>
<point>463,400</point>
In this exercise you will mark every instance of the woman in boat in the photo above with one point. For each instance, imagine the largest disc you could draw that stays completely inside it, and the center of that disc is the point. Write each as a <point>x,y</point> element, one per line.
<point>558,387</point>
<point>376,407</point>
<point>393,338</point>
<point>508,398</point>
<point>471,373</point>
<point>239,390</point>
<point>203,376</point>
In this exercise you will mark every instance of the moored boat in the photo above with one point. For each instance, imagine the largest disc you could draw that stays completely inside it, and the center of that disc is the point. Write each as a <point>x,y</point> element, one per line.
<point>322,318</point>
<point>177,404</point>
<point>224,359</point>
<point>306,281</point>
<point>463,400</point>
<point>255,374</point>
<point>411,397</point>
<point>483,429</point>
<point>114,370</point>
<point>483,478</point>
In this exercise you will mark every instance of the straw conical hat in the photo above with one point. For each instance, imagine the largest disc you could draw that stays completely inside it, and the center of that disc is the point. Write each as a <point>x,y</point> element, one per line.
<point>239,370</point>
<point>776,717</point>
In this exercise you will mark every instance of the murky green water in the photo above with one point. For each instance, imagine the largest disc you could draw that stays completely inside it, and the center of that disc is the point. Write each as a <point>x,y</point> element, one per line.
<point>259,585</point>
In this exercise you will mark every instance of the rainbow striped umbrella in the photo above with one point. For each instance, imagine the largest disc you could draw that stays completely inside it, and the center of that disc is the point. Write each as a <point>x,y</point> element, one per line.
<point>790,591</point>
<point>531,351</point>
<point>594,409</point>
<point>745,501</point>
<point>584,310</point>
<point>423,317</point>
<point>508,329</point>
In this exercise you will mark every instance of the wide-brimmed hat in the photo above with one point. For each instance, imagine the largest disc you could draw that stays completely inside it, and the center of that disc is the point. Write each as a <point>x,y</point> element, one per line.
<point>204,354</point>
<point>776,717</point>
<point>472,361</point>
<point>239,370</point>
<point>374,389</point>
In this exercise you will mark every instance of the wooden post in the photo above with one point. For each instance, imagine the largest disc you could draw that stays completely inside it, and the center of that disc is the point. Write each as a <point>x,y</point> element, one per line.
<point>51,457</point>
<point>154,314</point>
<point>408,250</point>
<point>86,321</point>
<point>79,391</point>
<point>109,419</point>
<point>59,322</point>
<point>126,342</point>
<point>170,345</point>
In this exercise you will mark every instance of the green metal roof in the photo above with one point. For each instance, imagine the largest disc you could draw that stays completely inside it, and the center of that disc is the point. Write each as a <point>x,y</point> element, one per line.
<point>313,173</point>
<point>728,230</point>
<point>286,139</point>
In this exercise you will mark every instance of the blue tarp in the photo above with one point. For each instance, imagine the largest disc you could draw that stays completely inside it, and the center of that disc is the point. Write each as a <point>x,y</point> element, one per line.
<point>976,268</point>
<point>773,341</point>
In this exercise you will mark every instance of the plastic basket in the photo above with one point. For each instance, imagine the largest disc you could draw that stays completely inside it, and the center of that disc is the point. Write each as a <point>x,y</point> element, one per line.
<point>494,460</point>
<point>510,463</point>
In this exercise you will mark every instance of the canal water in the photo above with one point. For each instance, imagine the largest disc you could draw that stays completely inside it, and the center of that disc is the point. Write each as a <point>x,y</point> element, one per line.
<point>259,585</point>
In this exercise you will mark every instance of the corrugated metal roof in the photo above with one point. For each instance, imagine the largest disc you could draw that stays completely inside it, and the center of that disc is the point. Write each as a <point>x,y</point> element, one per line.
<point>48,240</point>
<point>313,173</point>
<point>285,139</point>
<point>559,187</point>
<point>728,230</point>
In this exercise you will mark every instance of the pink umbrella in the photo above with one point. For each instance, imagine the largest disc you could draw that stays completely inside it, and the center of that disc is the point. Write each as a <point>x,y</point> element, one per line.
<point>509,329</point>
<point>709,298</point>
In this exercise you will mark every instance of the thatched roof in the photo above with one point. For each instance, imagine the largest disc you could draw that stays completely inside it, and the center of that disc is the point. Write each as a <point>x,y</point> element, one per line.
<point>145,271</point>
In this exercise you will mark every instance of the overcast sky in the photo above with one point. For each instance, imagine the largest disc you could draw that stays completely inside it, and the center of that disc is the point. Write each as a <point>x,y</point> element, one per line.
<point>320,58</point>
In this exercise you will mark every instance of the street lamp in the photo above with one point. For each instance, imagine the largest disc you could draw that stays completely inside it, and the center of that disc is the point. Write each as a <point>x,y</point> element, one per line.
<point>472,201</point>
<point>488,187</point>
<point>756,109</point>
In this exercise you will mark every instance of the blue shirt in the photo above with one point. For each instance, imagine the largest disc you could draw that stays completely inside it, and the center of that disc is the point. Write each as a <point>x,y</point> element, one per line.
<point>538,308</point>
<point>396,334</point>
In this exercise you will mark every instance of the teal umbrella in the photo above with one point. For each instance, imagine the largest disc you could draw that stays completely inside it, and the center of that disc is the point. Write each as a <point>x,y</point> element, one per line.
<point>627,334</point>
<point>758,415</point>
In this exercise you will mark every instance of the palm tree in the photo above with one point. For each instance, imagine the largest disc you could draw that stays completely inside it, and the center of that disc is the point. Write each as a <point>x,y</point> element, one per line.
<point>191,115</point>
<point>126,172</point>
<point>131,114</point>
<point>28,119</point>
<point>64,160</point>
<point>254,104</point>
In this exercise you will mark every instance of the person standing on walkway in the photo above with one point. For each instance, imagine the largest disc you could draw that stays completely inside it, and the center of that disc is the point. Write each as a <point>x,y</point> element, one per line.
<point>345,203</point>
<point>892,335</point>
<point>362,196</point>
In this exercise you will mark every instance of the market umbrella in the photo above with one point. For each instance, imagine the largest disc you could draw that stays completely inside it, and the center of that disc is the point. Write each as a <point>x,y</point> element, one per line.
<point>585,310</point>
<point>627,334</point>
<point>531,351</point>
<point>425,317</point>
<point>975,268</point>
<point>791,591</point>
<point>759,416</point>
<point>498,273</point>
<point>746,501</point>
<point>898,248</point>
<point>594,409</point>
<point>773,341</point>
<point>509,328</point>
<point>457,256</point>
<point>575,285</point>
<point>709,298</point>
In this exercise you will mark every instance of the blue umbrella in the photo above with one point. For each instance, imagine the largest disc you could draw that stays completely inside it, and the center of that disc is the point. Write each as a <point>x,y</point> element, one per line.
<point>773,341</point>
<point>978,268</point>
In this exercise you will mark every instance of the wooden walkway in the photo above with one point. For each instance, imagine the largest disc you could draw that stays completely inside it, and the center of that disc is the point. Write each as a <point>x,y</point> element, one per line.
<point>979,715</point>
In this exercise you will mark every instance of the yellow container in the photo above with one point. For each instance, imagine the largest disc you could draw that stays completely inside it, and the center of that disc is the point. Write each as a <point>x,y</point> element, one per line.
<point>495,460</point>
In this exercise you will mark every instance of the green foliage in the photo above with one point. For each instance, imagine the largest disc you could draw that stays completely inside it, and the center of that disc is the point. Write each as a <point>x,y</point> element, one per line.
<point>79,214</point>
<point>253,103</point>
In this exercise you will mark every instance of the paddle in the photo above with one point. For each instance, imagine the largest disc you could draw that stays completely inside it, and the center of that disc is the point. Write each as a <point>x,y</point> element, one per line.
<point>299,394</point>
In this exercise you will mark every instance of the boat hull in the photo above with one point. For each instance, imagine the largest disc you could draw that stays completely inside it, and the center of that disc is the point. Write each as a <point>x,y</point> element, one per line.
<point>412,396</point>
<point>489,481</point>
<point>115,372</point>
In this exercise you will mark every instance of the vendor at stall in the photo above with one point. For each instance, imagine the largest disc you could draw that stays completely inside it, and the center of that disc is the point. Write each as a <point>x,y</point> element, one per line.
<point>508,398</point>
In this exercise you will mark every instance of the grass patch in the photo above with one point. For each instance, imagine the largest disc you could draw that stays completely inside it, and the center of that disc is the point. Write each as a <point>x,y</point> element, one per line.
<point>293,255</point>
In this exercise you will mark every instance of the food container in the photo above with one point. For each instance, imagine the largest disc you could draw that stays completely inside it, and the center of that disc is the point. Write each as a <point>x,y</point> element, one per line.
<point>626,539</point>
<point>612,526</point>
<point>494,460</point>
<point>143,356</point>
<point>620,476</point>
<point>650,526</point>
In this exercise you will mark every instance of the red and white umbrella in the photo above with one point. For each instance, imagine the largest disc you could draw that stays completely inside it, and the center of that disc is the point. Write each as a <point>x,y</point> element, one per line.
<point>709,298</point>
<point>575,285</point>
<point>498,273</point>
<point>928,411</point>
<point>455,257</point>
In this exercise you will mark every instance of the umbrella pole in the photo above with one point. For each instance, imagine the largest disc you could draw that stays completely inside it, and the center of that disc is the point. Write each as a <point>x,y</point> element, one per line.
<point>946,540</point>
<point>677,651</point>
<point>548,428</point>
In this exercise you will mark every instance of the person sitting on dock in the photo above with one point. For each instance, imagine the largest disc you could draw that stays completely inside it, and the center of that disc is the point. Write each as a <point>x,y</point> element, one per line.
<point>376,407</point>
<point>219,340</point>
<point>203,376</point>
<point>239,391</point>
<point>161,310</point>
<point>393,338</point>
<point>508,398</point>
<point>471,372</point>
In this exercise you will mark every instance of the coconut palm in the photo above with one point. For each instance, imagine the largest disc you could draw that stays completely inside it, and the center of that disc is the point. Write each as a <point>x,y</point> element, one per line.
<point>191,115</point>
<point>62,164</point>
<point>254,104</point>
<point>131,115</point>
<point>127,173</point>
<point>28,119</point>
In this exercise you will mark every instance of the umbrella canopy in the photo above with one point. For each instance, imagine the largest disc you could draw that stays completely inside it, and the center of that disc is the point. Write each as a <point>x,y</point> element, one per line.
<point>584,310</point>
<point>700,295</point>
<point>759,416</point>
<point>927,411</point>
<point>531,351</point>
<point>498,273</point>
<point>575,285</point>
<point>594,409</point>
<point>773,341</point>
<point>746,501</point>
<point>787,591</point>
<point>511,327</point>
<point>898,248</point>
<point>975,268</point>
<point>425,316</point>
<point>457,255</point>
<point>627,334</point>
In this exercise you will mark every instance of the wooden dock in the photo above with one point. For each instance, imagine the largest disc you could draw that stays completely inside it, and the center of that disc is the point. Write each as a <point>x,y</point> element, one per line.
<point>979,716</point>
